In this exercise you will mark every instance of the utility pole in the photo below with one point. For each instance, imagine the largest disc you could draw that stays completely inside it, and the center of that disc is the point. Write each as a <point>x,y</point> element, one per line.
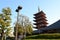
<point>16,28</point>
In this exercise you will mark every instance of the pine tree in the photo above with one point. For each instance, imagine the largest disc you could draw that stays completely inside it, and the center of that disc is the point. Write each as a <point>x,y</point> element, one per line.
<point>5,21</point>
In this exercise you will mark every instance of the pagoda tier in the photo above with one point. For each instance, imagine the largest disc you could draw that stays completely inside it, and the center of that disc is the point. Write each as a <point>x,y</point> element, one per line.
<point>39,13</point>
<point>40,26</point>
<point>40,23</point>
<point>40,20</point>
<point>35,27</point>
<point>43,16</point>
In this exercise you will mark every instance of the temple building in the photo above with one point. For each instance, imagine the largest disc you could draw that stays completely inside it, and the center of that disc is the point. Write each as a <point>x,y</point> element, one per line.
<point>41,24</point>
<point>40,19</point>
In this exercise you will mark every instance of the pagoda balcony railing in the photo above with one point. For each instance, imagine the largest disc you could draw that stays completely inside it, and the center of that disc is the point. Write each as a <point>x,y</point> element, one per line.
<point>38,27</point>
<point>39,16</point>
<point>40,23</point>
<point>39,20</point>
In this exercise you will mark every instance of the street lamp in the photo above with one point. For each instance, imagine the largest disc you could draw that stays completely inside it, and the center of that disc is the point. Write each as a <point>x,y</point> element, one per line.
<point>17,10</point>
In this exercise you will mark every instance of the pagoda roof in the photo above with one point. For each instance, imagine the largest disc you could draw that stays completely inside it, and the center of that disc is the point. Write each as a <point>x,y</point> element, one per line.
<point>41,12</point>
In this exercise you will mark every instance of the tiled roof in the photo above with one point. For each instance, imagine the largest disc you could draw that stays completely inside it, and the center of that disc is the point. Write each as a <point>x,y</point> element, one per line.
<point>55,25</point>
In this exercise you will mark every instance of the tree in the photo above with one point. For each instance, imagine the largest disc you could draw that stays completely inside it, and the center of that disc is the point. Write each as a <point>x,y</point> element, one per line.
<point>5,21</point>
<point>29,29</point>
<point>24,25</point>
<point>20,29</point>
<point>8,31</point>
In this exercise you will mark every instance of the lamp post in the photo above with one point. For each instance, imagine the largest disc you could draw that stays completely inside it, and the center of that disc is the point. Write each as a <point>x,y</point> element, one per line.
<point>16,28</point>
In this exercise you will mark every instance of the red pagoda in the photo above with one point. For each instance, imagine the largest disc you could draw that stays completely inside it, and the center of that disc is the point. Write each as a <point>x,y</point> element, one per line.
<point>40,19</point>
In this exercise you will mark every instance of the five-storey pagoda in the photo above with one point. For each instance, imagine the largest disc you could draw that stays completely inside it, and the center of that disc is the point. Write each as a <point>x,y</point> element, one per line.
<point>40,19</point>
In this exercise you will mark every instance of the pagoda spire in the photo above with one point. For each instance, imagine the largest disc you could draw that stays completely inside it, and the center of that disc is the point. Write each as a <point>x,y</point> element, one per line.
<point>38,9</point>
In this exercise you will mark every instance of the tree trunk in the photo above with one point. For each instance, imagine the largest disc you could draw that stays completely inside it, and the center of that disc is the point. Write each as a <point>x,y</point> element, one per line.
<point>2,35</point>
